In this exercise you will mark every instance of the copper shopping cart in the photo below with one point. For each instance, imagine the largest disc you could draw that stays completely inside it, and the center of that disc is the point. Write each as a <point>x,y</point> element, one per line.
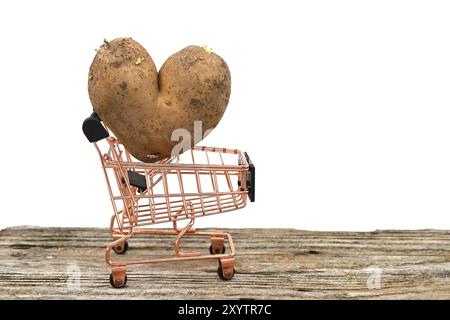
<point>201,182</point>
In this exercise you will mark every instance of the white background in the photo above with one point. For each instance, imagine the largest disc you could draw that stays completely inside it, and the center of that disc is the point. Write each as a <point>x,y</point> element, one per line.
<point>342,105</point>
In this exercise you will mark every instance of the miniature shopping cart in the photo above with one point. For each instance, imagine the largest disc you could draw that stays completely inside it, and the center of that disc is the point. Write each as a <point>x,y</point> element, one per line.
<point>201,182</point>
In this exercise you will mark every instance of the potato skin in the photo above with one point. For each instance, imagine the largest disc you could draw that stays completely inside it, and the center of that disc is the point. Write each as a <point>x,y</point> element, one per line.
<point>143,108</point>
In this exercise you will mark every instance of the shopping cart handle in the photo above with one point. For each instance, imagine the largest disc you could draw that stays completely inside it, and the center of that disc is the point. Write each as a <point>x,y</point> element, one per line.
<point>93,128</point>
<point>250,178</point>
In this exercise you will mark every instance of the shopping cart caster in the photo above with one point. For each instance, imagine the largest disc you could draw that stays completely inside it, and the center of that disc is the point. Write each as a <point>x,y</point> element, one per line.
<point>217,246</point>
<point>118,279</point>
<point>216,251</point>
<point>226,269</point>
<point>121,248</point>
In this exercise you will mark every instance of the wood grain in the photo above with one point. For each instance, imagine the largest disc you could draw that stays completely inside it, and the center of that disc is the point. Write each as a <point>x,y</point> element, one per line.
<point>271,264</point>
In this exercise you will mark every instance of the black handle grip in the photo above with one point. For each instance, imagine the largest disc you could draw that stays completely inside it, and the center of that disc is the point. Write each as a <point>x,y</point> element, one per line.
<point>93,128</point>
<point>250,178</point>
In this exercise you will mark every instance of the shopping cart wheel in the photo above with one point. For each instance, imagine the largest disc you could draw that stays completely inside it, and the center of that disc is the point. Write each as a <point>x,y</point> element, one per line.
<point>227,275</point>
<point>226,269</point>
<point>118,282</point>
<point>121,248</point>
<point>216,250</point>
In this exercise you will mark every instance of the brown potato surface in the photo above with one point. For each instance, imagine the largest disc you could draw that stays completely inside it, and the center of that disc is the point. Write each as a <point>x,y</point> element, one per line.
<point>143,108</point>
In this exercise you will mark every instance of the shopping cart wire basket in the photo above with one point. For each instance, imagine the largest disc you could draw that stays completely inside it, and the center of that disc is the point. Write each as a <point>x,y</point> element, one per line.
<point>201,182</point>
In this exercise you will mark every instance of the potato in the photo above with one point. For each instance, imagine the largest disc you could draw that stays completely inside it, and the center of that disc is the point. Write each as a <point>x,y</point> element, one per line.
<point>143,108</point>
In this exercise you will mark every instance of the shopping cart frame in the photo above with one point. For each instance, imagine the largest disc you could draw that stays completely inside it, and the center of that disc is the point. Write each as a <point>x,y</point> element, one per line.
<point>137,182</point>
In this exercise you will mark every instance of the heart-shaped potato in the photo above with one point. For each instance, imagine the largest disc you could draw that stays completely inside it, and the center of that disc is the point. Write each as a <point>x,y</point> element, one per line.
<point>143,109</point>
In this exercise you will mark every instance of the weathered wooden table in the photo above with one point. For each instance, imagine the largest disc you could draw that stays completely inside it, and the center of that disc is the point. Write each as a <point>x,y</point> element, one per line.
<point>47,263</point>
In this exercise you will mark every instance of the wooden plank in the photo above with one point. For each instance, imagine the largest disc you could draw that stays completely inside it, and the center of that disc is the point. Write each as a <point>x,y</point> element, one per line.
<point>271,263</point>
